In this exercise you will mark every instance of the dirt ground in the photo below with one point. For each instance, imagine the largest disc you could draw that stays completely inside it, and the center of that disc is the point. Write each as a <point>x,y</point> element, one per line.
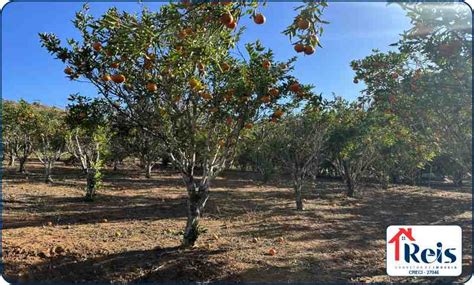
<point>133,230</point>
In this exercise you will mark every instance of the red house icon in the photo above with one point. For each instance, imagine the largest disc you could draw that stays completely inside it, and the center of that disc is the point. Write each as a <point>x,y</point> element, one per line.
<point>396,239</point>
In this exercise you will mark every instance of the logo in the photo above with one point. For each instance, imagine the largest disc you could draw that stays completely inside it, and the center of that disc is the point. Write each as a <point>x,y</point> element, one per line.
<point>424,251</point>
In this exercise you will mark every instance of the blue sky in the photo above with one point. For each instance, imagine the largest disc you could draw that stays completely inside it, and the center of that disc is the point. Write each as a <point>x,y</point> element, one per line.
<point>29,72</point>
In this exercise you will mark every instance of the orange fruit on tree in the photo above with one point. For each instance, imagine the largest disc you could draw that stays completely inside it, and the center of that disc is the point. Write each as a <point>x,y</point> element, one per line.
<point>97,46</point>
<point>231,25</point>
<point>106,77</point>
<point>249,126</point>
<point>308,50</point>
<point>266,64</point>
<point>221,143</point>
<point>299,48</point>
<point>278,113</point>
<point>68,71</point>
<point>303,24</point>
<point>114,65</point>
<point>205,95</point>
<point>152,87</point>
<point>109,53</point>
<point>259,19</point>
<point>394,75</point>
<point>273,92</point>
<point>295,87</point>
<point>266,99</point>
<point>118,78</point>
<point>228,120</point>
<point>225,67</point>
<point>227,18</point>
<point>272,251</point>
<point>201,66</point>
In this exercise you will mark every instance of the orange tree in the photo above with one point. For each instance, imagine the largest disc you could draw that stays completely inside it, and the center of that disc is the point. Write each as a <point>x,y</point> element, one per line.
<point>88,138</point>
<point>18,130</point>
<point>363,142</point>
<point>256,150</point>
<point>351,149</point>
<point>49,138</point>
<point>9,147</point>
<point>302,141</point>
<point>440,81</point>
<point>427,84</point>
<point>178,75</point>
<point>400,117</point>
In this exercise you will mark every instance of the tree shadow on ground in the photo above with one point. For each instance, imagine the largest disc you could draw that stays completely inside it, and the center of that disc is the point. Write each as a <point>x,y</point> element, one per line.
<point>74,210</point>
<point>157,265</point>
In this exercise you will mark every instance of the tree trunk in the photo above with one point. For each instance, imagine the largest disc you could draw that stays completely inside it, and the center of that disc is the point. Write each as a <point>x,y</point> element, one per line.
<point>457,178</point>
<point>116,162</point>
<point>348,180</point>
<point>91,184</point>
<point>197,198</point>
<point>149,167</point>
<point>350,186</point>
<point>298,198</point>
<point>394,178</point>
<point>384,180</point>
<point>11,160</point>
<point>22,165</point>
<point>165,161</point>
<point>47,172</point>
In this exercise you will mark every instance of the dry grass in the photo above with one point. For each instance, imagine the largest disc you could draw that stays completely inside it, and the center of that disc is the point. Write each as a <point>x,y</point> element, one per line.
<point>132,232</point>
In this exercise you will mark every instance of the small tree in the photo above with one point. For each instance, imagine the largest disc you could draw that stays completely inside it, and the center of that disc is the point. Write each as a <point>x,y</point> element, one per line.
<point>9,147</point>
<point>19,125</point>
<point>88,139</point>
<point>256,151</point>
<point>300,142</point>
<point>119,148</point>
<point>352,149</point>
<point>147,148</point>
<point>49,139</point>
